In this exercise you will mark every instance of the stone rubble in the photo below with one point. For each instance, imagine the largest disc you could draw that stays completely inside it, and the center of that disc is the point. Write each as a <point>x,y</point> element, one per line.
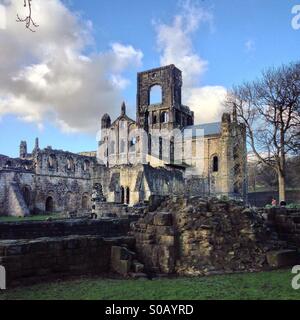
<point>196,236</point>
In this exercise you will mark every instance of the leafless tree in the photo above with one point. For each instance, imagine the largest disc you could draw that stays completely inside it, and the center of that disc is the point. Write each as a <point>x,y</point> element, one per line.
<point>270,109</point>
<point>29,23</point>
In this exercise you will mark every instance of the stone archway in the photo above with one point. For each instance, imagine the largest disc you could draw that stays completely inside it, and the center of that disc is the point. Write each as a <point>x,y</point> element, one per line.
<point>49,205</point>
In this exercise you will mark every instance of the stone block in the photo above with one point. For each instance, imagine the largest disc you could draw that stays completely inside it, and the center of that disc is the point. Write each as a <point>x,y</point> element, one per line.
<point>283,258</point>
<point>163,219</point>
<point>137,267</point>
<point>121,260</point>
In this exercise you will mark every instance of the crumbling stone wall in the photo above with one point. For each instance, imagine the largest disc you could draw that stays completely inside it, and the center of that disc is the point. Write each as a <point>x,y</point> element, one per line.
<point>192,236</point>
<point>286,222</point>
<point>60,228</point>
<point>26,261</point>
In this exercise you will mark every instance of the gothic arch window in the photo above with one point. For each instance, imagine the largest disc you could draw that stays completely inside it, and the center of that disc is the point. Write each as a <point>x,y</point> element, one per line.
<point>85,202</point>
<point>149,144</point>
<point>154,119</point>
<point>215,164</point>
<point>155,95</point>
<point>52,162</point>
<point>164,117</point>
<point>133,142</point>
<point>122,195</point>
<point>112,147</point>
<point>127,195</point>
<point>49,205</point>
<point>160,148</point>
<point>86,165</point>
<point>122,146</point>
<point>8,164</point>
<point>172,156</point>
<point>70,164</point>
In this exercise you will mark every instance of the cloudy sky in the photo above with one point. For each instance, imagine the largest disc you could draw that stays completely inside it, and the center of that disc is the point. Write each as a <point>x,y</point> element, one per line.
<point>82,61</point>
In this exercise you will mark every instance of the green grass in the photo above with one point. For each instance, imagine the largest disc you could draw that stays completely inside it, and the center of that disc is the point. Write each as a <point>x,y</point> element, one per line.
<point>252,286</point>
<point>30,218</point>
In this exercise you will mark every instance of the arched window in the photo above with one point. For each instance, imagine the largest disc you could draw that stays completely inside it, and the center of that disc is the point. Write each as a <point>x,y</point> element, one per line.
<point>122,146</point>
<point>127,195</point>
<point>112,147</point>
<point>215,164</point>
<point>49,205</point>
<point>52,161</point>
<point>86,165</point>
<point>164,117</point>
<point>122,194</point>
<point>160,148</point>
<point>70,164</point>
<point>85,202</point>
<point>155,95</point>
<point>8,164</point>
<point>149,144</point>
<point>154,119</point>
<point>132,144</point>
<point>172,156</point>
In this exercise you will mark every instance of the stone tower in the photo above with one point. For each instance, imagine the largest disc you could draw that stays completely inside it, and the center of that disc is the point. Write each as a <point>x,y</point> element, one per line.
<point>105,121</point>
<point>23,149</point>
<point>169,111</point>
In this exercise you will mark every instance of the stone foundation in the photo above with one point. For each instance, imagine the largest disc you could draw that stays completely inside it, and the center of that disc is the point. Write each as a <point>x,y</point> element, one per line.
<point>27,261</point>
<point>61,228</point>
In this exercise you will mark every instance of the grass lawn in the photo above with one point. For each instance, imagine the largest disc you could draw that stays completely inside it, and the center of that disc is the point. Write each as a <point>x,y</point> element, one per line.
<point>30,218</point>
<point>262,286</point>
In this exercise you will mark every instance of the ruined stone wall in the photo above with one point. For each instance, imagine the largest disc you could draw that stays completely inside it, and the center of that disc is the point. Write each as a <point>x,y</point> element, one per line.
<point>192,236</point>
<point>60,228</point>
<point>27,261</point>
<point>26,184</point>
<point>142,181</point>
<point>67,193</point>
<point>286,222</point>
<point>12,185</point>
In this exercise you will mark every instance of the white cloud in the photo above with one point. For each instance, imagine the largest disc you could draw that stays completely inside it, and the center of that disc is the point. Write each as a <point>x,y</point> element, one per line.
<point>207,102</point>
<point>175,45</point>
<point>250,45</point>
<point>47,75</point>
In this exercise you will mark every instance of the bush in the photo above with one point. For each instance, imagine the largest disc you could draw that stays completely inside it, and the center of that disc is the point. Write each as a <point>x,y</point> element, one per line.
<point>293,206</point>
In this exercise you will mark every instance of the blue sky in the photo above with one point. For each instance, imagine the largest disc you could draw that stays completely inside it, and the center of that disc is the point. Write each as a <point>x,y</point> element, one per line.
<point>240,39</point>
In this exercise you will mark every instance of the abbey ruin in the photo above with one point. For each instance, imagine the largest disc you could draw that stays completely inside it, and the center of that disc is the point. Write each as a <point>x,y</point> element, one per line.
<point>160,196</point>
<point>160,153</point>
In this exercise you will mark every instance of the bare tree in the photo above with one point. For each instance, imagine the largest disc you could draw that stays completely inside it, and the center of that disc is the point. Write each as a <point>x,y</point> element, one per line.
<point>270,109</point>
<point>29,23</point>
